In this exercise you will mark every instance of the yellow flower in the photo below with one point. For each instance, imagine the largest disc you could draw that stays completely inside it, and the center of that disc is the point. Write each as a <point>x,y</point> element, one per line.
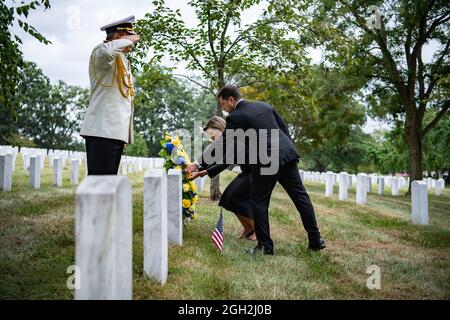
<point>186,203</point>
<point>178,168</point>
<point>186,187</point>
<point>195,199</point>
<point>176,142</point>
<point>167,137</point>
<point>193,186</point>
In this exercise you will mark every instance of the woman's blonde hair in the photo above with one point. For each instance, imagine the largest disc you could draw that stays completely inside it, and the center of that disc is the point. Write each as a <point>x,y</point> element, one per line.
<point>215,122</point>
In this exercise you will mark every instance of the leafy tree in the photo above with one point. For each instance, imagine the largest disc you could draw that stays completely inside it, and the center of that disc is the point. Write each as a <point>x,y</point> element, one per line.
<point>138,148</point>
<point>220,48</point>
<point>436,147</point>
<point>321,109</point>
<point>11,59</point>
<point>400,83</point>
<point>49,114</point>
<point>164,103</point>
<point>20,141</point>
<point>388,152</point>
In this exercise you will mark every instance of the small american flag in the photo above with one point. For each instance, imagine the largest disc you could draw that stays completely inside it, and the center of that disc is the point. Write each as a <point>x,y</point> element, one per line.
<point>217,236</point>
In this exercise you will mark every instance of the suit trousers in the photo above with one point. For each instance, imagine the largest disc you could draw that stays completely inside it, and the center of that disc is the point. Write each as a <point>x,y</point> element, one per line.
<point>261,189</point>
<point>103,155</point>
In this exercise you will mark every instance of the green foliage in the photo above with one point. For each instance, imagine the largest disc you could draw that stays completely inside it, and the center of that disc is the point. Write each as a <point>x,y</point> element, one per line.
<point>322,111</point>
<point>138,148</point>
<point>164,103</point>
<point>11,60</point>
<point>175,157</point>
<point>220,47</point>
<point>436,146</point>
<point>400,84</point>
<point>388,152</point>
<point>20,141</point>
<point>49,114</point>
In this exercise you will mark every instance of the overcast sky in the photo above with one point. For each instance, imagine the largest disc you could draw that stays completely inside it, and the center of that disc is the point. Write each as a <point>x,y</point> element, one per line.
<point>73,27</point>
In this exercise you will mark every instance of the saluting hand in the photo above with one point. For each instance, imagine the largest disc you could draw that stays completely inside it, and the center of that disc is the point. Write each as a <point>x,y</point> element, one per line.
<point>132,37</point>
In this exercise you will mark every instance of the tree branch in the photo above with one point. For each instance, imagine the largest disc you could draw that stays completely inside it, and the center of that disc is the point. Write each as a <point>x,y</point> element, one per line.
<point>211,42</point>
<point>388,60</point>
<point>438,117</point>
<point>243,32</point>
<point>224,31</point>
<point>197,83</point>
<point>189,51</point>
<point>424,36</point>
<point>434,80</point>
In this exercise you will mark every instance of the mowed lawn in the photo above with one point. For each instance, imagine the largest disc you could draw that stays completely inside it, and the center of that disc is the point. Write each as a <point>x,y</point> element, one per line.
<point>37,247</point>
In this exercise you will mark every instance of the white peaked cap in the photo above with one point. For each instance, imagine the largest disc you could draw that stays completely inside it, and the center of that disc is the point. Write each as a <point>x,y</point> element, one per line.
<point>129,19</point>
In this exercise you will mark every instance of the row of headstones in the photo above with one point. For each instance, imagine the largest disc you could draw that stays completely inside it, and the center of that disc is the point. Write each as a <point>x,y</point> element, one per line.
<point>104,233</point>
<point>344,179</point>
<point>419,190</point>
<point>130,165</point>
<point>33,160</point>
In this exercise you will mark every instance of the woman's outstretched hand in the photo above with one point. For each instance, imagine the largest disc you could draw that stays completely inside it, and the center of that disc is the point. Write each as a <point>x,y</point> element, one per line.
<point>191,168</point>
<point>196,174</point>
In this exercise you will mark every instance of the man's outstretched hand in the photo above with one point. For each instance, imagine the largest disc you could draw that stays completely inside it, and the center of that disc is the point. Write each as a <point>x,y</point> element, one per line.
<point>191,168</point>
<point>196,174</point>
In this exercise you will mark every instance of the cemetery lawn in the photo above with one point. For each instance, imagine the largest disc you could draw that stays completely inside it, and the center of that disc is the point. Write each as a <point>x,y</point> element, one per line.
<point>37,246</point>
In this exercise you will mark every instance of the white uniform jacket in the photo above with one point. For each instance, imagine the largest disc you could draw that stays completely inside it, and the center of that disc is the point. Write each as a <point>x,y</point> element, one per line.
<point>110,113</point>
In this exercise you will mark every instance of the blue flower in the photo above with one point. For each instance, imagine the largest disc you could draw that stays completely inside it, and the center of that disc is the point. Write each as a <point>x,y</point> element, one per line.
<point>180,161</point>
<point>169,146</point>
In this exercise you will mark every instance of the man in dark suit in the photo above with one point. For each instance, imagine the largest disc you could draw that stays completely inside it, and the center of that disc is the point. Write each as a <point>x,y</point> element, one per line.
<point>256,116</point>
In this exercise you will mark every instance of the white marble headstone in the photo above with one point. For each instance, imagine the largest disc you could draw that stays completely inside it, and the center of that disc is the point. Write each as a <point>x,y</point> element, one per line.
<point>380,186</point>
<point>57,171</point>
<point>395,186</point>
<point>35,172</point>
<point>439,186</point>
<point>74,171</point>
<point>104,237</point>
<point>175,207</point>
<point>419,202</point>
<point>6,172</point>
<point>343,188</point>
<point>361,185</point>
<point>329,184</point>
<point>155,225</point>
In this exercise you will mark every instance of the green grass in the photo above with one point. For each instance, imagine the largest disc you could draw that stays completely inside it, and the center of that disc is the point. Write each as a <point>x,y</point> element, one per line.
<point>37,246</point>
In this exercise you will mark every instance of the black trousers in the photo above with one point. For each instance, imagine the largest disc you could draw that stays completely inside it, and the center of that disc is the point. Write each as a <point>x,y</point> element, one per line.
<point>261,190</point>
<point>103,155</point>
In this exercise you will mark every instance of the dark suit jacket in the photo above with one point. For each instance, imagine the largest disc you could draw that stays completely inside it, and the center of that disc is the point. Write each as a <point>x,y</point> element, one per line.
<point>255,115</point>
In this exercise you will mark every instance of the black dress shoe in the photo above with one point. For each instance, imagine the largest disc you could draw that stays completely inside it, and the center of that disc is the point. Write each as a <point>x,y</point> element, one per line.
<point>317,246</point>
<point>260,249</point>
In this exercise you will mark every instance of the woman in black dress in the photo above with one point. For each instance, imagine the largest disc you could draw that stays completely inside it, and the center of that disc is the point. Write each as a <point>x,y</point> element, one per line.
<point>235,197</point>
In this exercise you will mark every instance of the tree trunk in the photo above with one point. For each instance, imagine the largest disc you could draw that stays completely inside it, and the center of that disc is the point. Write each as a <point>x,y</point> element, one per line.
<point>414,141</point>
<point>214,189</point>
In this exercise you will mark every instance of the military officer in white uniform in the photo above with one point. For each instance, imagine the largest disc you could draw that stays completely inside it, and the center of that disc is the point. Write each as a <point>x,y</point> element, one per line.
<point>108,124</point>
